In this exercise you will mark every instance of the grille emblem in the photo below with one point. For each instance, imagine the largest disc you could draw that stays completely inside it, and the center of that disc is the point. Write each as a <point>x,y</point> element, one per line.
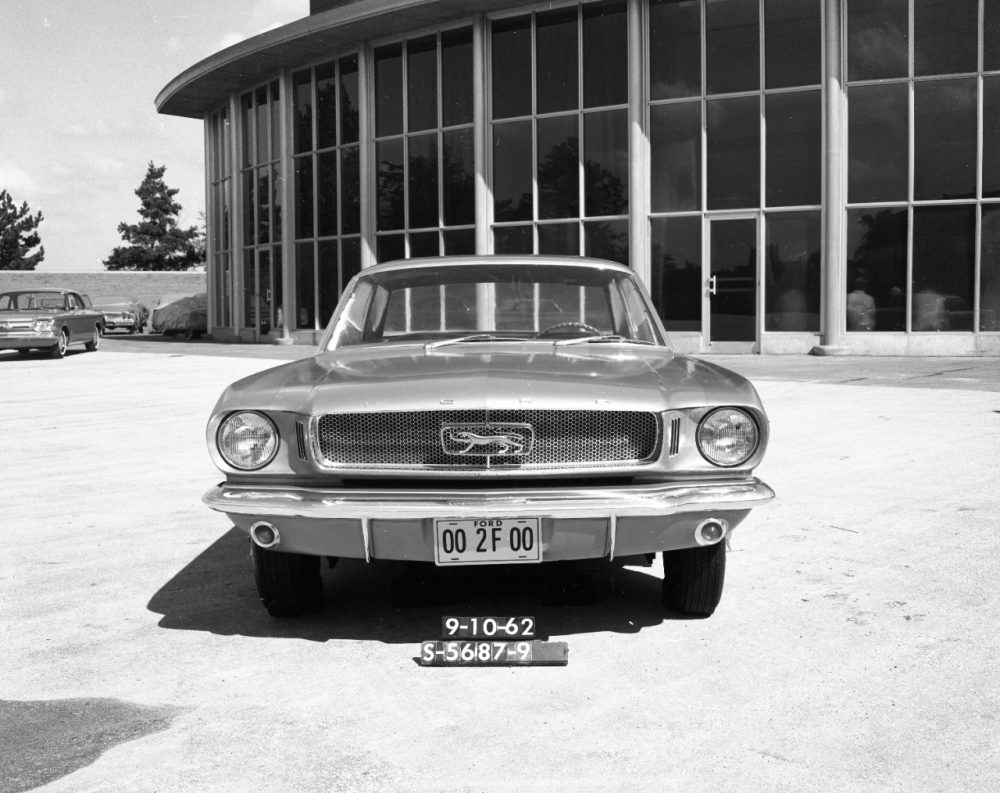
<point>487,440</point>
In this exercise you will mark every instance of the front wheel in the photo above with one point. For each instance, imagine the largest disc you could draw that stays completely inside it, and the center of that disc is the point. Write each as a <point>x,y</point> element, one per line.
<point>289,584</point>
<point>693,579</point>
<point>62,343</point>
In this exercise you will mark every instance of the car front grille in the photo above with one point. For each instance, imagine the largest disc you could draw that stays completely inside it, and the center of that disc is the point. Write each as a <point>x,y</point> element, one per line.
<point>412,439</point>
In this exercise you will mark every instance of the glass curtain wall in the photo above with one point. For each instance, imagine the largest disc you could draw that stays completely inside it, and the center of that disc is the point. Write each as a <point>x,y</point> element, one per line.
<point>559,132</point>
<point>424,147</point>
<point>735,123</point>
<point>219,192</point>
<point>926,72</point>
<point>327,184</point>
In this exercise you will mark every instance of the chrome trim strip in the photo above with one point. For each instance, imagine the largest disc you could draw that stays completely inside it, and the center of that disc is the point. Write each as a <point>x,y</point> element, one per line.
<point>366,537</point>
<point>612,535</point>
<point>373,504</point>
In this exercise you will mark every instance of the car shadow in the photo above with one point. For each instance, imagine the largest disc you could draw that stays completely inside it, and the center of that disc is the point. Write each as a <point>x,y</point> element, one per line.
<point>399,602</point>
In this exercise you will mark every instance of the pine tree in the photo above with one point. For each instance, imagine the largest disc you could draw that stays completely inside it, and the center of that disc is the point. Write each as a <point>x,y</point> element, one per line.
<point>157,242</point>
<point>18,235</point>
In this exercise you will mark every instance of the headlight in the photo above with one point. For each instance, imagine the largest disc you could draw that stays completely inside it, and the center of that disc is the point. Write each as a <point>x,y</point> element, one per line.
<point>42,325</point>
<point>728,437</point>
<point>247,441</point>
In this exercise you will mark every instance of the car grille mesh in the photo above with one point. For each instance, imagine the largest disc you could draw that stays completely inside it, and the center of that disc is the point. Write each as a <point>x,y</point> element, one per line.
<point>413,438</point>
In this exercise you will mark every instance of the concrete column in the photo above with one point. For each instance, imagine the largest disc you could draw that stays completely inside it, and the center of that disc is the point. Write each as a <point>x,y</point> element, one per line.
<point>288,274</point>
<point>481,137</point>
<point>367,163</point>
<point>833,197</point>
<point>210,274</point>
<point>638,150</point>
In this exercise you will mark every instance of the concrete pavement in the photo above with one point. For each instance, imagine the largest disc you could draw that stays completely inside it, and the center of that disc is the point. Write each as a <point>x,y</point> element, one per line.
<point>854,650</point>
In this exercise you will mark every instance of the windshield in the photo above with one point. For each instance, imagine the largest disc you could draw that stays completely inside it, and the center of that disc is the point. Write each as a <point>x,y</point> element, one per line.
<point>113,300</point>
<point>494,302</point>
<point>32,301</point>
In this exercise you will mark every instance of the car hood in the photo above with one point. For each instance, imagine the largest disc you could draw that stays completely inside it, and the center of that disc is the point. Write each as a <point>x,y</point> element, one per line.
<point>491,375</point>
<point>28,313</point>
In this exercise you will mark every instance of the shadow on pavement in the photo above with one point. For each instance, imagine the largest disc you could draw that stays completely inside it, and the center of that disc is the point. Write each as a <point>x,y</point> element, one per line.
<point>400,603</point>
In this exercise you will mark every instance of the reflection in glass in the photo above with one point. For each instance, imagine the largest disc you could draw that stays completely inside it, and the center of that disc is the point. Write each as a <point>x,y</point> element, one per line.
<point>558,167</point>
<point>305,286</point>
<point>605,54</point>
<point>674,48</point>
<point>512,171</point>
<point>263,124</point>
<point>421,83</point>
<point>676,272</point>
<point>249,203</point>
<point>556,60</point>
<point>391,247</point>
<point>559,239</point>
<point>794,148</point>
<point>877,39</point>
<point>326,193</point>
<point>389,155</point>
<point>944,139</point>
<point>276,184</point>
<point>424,244</point>
<point>675,156</point>
<point>263,205</point>
<point>513,239</point>
<point>512,67</point>
<point>423,178</point>
<point>945,36</point>
<point>349,99</point>
<point>733,152</point>
<point>792,271</point>
<point>389,90</point>
<point>732,46</point>
<point>605,162</point>
<point>989,269</point>
<point>350,260</point>
<point>733,266</point>
<point>326,104</point>
<point>876,269</point>
<point>606,239</point>
<point>792,43</point>
<point>456,77</point>
<point>991,137</point>
<point>459,242</point>
<point>303,197</point>
<point>350,191</point>
<point>329,281</point>
<point>302,111</point>
<point>991,35</point>
<point>878,142</point>
<point>459,178</point>
<point>944,253</point>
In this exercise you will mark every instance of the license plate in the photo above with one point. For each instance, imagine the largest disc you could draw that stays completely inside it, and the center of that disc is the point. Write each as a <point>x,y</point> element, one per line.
<point>487,541</point>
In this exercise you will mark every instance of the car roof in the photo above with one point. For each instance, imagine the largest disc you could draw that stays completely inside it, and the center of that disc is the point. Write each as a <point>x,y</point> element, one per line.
<point>521,259</point>
<point>44,289</point>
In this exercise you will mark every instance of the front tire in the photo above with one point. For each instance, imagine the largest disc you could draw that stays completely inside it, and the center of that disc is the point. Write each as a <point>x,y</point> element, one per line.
<point>95,342</point>
<point>58,350</point>
<point>289,584</point>
<point>693,579</point>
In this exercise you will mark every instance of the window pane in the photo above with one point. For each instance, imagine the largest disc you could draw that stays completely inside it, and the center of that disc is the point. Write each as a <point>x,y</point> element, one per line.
<point>792,271</point>
<point>423,178</point>
<point>305,286</point>
<point>263,123</point>
<point>456,77</point>
<point>512,67</point>
<point>607,239</point>
<point>303,196</point>
<point>326,193</point>
<point>459,178</point>
<point>794,148</point>
<point>247,128</point>
<point>559,239</point>
<point>792,43</point>
<point>513,239</point>
<point>349,99</point>
<point>328,280</point>
<point>390,185</point>
<point>605,158</point>
<point>878,143</point>
<point>425,244</point>
<point>302,110</point>
<point>732,46</point>
<point>605,54</point>
<point>421,83</point>
<point>275,113</point>
<point>674,48</point>
<point>733,153</point>
<point>389,90</point>
<point>675,156</point>
<point>877,39</point>
<point>945,36</point>
<point>991,137</point>
<point>326,101</point>
<point>556,54</point>
<point>350,260</point>
<point>991,35</point>
<point>676,272</point>
<point>391,247</point>
<point>460,242</point>
<point>276,184</point>
<point>350,191</point>
<point>989,286</point>
<point>876,269</point>
<point>944,253</point>
<point>248,207</point>
<point>263,205</point>
<point>558,167</point>
<point>944,139</point>
<point>512,171</point>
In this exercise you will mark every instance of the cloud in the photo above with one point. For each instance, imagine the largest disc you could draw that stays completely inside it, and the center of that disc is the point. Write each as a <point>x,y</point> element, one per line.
<point>266,15</point>
<point>15,180</point>
<point>3,97</point>
<point>173,45</point>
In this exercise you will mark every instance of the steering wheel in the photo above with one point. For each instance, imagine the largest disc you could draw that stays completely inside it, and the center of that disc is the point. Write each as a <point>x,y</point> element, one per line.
<point>561,325</point>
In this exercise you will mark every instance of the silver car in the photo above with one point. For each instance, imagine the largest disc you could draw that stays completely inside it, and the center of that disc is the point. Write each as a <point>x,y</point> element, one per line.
<point>48,319</point>
<point>490,411</point>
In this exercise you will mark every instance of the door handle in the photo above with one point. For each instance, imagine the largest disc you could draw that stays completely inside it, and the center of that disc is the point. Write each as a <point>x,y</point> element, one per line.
<point>712,286</point>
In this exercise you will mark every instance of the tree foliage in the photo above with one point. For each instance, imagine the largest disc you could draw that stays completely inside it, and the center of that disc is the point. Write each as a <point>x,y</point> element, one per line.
<point>19,235</point>
<point>156,242</point>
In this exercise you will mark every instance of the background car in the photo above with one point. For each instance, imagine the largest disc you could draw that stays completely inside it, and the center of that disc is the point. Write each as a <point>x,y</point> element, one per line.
<point>48,319</point>
<point>122,312</point>
<point>181,315</point>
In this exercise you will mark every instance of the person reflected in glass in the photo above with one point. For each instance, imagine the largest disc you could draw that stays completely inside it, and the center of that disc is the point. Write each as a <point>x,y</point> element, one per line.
<point>928,310</point>
<point>860,307</point>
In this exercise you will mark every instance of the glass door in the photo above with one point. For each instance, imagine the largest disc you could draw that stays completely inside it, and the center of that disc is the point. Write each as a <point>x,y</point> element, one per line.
<point>732,284</point>
<point>261,298</point>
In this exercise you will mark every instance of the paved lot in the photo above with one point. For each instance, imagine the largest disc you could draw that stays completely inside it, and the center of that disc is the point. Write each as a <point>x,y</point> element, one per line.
<point>855,648</point>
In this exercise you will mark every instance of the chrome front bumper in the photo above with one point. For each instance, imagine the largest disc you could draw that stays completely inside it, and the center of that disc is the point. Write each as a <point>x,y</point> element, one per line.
<point>576,522</point>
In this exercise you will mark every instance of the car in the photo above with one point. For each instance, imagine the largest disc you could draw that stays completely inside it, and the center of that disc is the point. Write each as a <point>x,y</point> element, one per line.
<point>490,411</point>
<point>122,312</point>
<point>51,320</point>
<point>181,315</point>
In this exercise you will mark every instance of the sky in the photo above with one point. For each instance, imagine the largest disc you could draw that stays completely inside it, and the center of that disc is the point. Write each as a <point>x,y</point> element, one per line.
<point>78,124</point>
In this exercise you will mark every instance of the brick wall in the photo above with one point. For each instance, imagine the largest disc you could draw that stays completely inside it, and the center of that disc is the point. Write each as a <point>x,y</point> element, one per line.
<point>145,286</point>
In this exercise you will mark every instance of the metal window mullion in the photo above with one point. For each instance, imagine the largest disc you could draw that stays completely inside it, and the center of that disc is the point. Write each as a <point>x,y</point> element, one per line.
<point>482,158</point>
<point>581,180</point>
<point>535,192</point>
<point>212,131</point>
<point>289,273</point>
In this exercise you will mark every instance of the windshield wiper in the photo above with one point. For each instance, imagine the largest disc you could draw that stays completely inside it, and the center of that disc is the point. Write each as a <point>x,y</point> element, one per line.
<point>431,345</point>
<point>602,339</point>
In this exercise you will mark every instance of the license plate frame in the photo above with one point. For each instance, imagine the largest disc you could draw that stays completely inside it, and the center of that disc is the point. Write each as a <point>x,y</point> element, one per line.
<point>474,541</point>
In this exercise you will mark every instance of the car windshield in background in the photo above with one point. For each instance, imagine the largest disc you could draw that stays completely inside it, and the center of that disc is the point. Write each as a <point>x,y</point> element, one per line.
<point>113,300</point>
<point>495,302</point>
<point>32,301</point>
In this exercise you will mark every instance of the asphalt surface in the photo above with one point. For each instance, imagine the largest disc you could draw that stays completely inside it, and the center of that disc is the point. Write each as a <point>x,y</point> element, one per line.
<point>855,648</point>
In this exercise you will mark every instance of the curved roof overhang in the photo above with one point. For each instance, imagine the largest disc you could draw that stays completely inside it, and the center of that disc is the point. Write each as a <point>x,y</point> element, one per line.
<point>207,85</point>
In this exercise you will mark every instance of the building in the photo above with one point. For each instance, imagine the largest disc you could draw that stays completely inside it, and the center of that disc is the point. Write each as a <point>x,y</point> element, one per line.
<point>785,175</point>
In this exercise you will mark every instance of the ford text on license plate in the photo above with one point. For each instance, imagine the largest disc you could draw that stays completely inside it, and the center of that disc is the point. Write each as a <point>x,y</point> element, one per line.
<point>487,541</point>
